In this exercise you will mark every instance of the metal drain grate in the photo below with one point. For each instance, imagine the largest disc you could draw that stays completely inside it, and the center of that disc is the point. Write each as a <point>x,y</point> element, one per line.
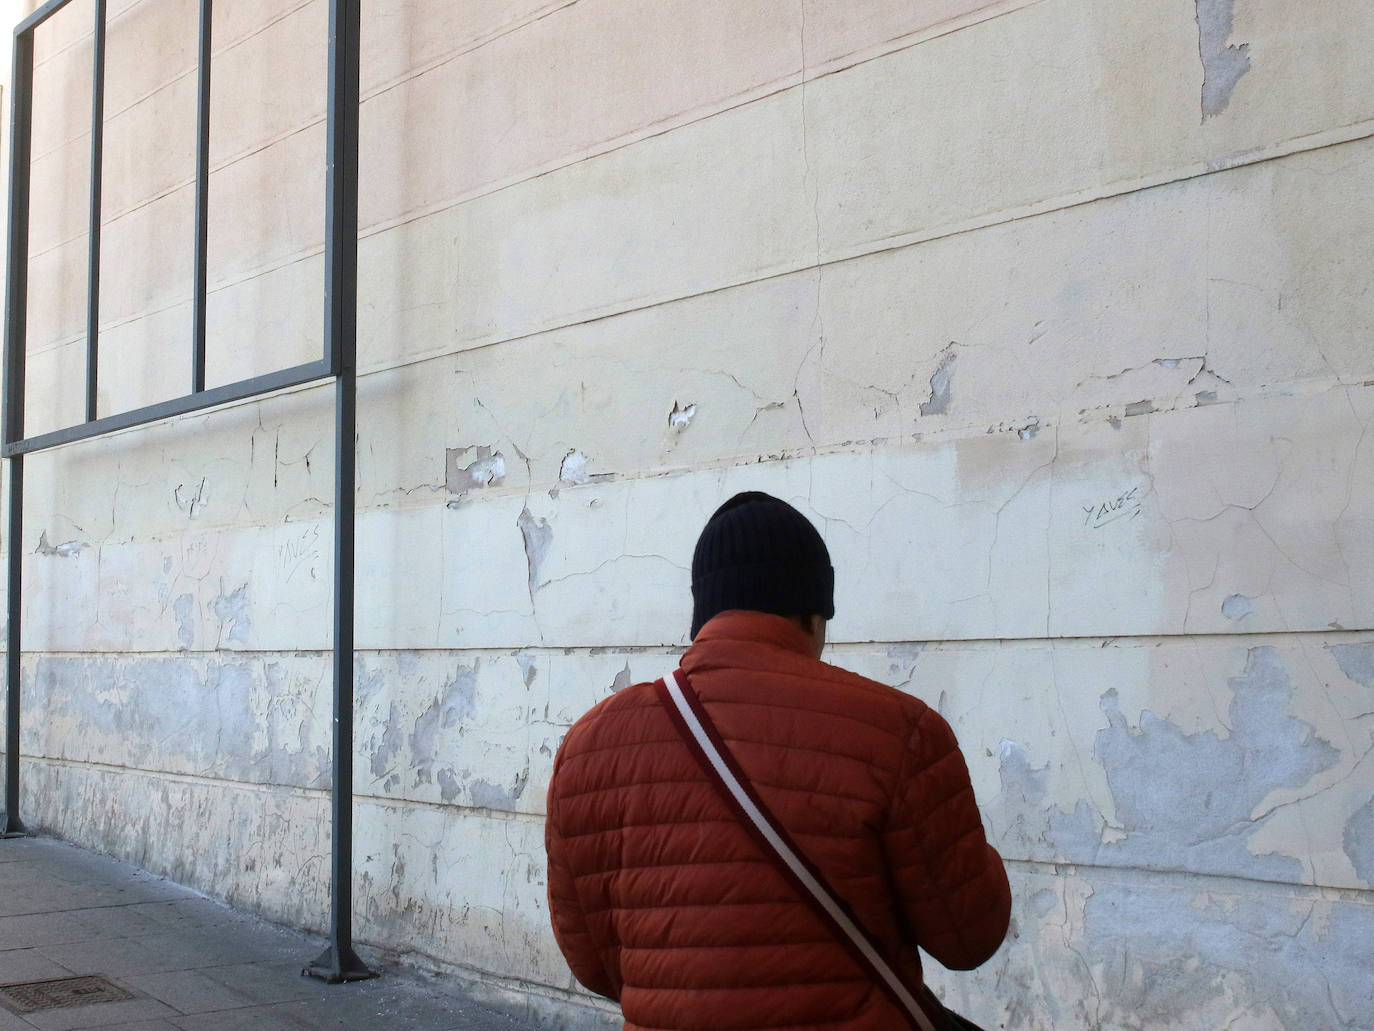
<point>32,996</point>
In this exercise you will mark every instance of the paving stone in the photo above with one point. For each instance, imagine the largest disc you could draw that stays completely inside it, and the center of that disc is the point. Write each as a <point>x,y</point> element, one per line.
<point>197,964</point>
<point>257,1018</point>
<point>69,1018</point>
<point>266,984</point>
<point>20,965</point>
<point>38,929</point>
<point>189,991</point>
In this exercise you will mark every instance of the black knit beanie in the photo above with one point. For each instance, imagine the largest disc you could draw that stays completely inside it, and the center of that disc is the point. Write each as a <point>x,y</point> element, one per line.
<point>760,553</point>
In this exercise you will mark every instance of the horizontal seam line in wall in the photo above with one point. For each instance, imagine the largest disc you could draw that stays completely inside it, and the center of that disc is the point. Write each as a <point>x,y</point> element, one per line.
<point>1331,138</point>
<point>1057,869</point>
<point>113,219</point>
<point>751,95</point>
<point>682,119</point>
<point>264,787</point>
<point>1037,209</point>
<point>113,22</point>
<point>676,650</point>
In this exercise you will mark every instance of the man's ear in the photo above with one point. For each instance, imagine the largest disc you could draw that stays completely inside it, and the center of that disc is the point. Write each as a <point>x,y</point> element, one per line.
<point>817,634</point>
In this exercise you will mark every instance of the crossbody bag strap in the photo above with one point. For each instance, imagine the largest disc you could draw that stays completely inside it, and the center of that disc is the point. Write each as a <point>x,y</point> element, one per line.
<point>921,1008</point>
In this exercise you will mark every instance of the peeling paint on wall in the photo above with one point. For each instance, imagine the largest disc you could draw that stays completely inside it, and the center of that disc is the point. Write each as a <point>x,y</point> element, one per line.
<point>1356,662</point>
<point>456,702</point>
<point>484,468</point>
<point>1358,841</point>
<point>1236,606</point>
<point>67,549</point>
<point>191,500</point>
<point>184,610</point>
<point>1166,953</point>
<point>497,796</point>
<point>681,416</point>
<point>941,385</point>
<point>573,469</point>
<point>538,535</point>
<point>232,610</point>
<point>1223,62</point>
<point>383,759</point>
<point>1181,800</point>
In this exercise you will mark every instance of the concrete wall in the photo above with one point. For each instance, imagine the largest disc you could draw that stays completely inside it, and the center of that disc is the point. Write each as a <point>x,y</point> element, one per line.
<point>1053,314</point>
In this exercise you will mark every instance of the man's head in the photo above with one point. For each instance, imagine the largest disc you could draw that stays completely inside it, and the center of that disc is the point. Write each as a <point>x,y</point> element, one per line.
<point>760,553</point>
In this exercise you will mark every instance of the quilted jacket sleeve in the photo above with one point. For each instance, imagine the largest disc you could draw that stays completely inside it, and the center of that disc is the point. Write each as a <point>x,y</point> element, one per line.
<point>951,886</point>
<point>565,912</point>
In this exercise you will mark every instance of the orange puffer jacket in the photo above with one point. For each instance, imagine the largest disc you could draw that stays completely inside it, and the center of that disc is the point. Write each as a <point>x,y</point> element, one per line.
<point>661,900</point>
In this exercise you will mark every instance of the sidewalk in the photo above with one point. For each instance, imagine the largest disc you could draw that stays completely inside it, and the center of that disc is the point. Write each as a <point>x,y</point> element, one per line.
<point>183,962</point>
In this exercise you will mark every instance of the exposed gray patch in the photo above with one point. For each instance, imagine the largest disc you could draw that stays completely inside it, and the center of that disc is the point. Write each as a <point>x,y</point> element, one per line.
<point>622,680</point>
<point>1114,422</point>
<point>390,746</point>
<point>1029,431</point>
<point>184,610</point>
<point>1236,606</point>
<point>1017,810</point>
<point>487,795</point>
<point>941,386</point>
<point>1166,951</point>
<point>368,682</point>
<point>67,549</point>
<point>1356,662</point>
<point>1358,841</point>
<point>538,536</point>
<point>1205,397</point>
<point>1140,408</point>
<point>1185,801</point>
<point>528,670</point>
<point>232,610</point>
<point>1044,902</point>
<point>1223,62</point>
<point>457,702</point>
<point>484,468</point>
<point>449,788</point>
<point>179,712</point>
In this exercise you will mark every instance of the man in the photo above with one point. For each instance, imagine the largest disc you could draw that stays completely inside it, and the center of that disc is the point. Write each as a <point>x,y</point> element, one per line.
<point>660,897</point>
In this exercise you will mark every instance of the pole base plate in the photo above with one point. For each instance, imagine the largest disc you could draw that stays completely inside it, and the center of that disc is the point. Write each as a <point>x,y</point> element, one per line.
<point>336,966</point>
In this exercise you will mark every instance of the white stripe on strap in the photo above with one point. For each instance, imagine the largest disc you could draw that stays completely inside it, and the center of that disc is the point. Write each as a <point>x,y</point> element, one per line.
<point>794,864</point>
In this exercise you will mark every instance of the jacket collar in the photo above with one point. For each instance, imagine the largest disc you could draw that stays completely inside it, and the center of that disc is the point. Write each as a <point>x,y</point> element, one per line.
<point>744,626</point>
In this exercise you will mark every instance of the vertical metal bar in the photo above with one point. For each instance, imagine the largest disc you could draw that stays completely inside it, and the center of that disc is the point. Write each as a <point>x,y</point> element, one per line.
<point>97,164</point>
<point>339,962</point>
<point>13,826</point>
<point>202,199</point>
<point>16,320</point>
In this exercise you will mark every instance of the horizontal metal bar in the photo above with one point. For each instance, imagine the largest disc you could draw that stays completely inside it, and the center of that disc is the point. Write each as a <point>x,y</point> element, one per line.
<point>240,391</point>
<point>39,16</point>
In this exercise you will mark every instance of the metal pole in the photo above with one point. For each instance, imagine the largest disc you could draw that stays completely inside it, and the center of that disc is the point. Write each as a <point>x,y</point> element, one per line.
<point>97,166</point>
<point>339,962</point>
<point>16,315</point>
<point>202,257</point>
<point>14,827</point>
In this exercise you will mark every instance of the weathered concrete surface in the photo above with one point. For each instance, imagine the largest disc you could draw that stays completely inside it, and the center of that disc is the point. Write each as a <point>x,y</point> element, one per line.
<point>1053,315</point>
<point>998,525</point>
